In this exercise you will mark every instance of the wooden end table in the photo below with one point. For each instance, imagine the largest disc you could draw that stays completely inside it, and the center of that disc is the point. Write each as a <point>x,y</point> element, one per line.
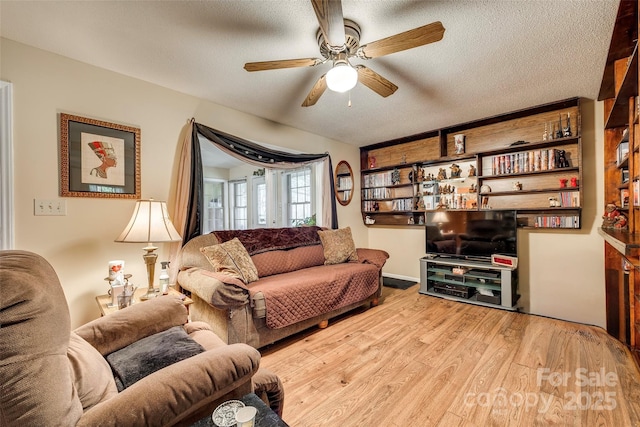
<point>104,301</point>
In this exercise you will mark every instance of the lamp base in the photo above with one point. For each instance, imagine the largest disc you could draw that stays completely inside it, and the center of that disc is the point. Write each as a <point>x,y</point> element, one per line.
<point>150,260</point>
<point>149,295</point>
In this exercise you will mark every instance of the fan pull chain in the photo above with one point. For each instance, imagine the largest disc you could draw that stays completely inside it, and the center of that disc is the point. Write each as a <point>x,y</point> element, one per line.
<point>349,104</point>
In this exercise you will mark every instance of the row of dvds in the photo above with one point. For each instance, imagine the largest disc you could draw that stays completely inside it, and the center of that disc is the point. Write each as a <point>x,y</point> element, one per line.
<point>396,205</point>
<point>402,204</point>
<point>554,221</point>
<point>379,179</point>
<point>345,183</point>
<point>528,161</point>
<point>376,193</point>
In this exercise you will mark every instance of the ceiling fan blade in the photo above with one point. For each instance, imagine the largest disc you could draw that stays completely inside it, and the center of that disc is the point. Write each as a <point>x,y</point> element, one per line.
<point>316,92</point>
<point>329,14</point>
<point>407,40</point>
<point>285,63</point>
<point>375,81</point>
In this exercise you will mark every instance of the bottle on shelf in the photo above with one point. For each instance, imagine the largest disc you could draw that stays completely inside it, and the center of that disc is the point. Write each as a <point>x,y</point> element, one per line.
<point>164,278</point>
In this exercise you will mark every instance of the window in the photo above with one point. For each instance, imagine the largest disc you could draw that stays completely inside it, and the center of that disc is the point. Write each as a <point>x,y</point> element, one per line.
<point>299,197</point>
<point>259,202</point>
<point>239,204</point>
<point>6,166</point>
<point>215,205</point>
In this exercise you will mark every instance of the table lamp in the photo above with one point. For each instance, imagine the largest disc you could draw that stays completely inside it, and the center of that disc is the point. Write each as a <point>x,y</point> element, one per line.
<point>149,223</point>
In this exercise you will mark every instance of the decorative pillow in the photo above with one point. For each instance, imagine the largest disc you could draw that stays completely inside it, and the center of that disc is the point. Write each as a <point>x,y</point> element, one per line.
<point>233,259</point>
<point>150,354</point>
<point>338,246</point>
<point>91,374</point>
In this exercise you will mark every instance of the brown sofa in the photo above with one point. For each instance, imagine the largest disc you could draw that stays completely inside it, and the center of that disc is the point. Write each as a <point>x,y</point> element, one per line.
<point>295,289</point>
<point>51,376</point>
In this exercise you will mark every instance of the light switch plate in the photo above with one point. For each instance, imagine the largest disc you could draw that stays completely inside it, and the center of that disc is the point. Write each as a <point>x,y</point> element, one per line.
<point>42,207</point>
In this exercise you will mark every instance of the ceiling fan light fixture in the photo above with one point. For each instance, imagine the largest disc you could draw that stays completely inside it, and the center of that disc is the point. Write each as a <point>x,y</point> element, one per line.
<point>342,77</point>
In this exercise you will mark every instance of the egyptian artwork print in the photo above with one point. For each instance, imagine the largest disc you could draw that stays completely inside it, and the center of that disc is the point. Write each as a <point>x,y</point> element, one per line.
<point>101,156</point>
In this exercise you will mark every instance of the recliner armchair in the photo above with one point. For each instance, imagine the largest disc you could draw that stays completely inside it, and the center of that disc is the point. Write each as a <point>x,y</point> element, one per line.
<point>51,376</point>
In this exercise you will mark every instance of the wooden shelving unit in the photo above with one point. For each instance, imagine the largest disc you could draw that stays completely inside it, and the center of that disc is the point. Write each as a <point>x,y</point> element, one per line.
<point>533,185</point>
<point>619,91</point>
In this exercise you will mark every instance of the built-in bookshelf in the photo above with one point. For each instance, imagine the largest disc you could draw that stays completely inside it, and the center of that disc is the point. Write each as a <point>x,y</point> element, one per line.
<point>529,161</point>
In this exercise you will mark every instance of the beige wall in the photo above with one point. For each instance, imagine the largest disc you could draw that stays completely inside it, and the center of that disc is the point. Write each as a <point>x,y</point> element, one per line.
<point>562,273</point>
<point>80,244</point>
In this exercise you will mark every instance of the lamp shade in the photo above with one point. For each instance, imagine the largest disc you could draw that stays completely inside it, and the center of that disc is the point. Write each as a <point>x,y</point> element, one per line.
<point>150,222</point>
<point>440,217</point>
<point>342,77</point>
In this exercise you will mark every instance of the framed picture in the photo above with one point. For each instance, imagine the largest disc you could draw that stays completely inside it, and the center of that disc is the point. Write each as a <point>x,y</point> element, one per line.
<point>98,159</point>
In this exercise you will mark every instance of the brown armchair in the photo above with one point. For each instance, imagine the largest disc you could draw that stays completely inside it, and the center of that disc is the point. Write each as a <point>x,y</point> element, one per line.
<point>51,376</point>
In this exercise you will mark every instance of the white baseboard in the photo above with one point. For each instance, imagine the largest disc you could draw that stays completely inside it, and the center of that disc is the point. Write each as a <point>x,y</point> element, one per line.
<point>401,277</point>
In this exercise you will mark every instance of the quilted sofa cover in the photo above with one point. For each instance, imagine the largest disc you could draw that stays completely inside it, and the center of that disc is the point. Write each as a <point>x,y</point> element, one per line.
<point>295,290</point>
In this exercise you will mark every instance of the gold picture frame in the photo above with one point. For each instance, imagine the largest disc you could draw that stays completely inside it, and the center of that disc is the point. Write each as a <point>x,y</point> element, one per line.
<point>98,159</point>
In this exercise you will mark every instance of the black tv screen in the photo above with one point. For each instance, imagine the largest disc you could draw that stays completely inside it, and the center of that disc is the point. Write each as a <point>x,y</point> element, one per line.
<point>471,234</point>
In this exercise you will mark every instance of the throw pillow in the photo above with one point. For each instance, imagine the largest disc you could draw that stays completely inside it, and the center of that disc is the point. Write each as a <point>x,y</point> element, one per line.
<point>150,354</point>
<point>233,259</point>
<point>91,374</point>
<point>338,246</point>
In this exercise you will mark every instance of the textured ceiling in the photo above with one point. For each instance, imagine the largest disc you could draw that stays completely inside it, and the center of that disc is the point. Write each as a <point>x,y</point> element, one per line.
<point>495,57</point>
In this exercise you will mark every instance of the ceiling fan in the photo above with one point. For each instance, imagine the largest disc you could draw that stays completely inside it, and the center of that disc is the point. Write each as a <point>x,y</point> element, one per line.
<point>339,40</point>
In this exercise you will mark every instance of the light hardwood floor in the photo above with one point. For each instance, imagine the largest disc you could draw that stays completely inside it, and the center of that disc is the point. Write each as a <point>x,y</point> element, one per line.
<point>417,360</point>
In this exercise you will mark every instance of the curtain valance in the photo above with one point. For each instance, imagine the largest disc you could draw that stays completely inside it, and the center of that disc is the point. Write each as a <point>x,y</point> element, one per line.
<point>191,170</point>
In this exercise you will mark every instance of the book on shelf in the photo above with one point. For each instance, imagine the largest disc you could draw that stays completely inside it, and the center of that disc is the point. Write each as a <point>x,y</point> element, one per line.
<point>524,162</point>
<point>569,199</point>
<point>557,221</point>
<point>624,198</point>
<point>379,179</point>
<point>623,151</point>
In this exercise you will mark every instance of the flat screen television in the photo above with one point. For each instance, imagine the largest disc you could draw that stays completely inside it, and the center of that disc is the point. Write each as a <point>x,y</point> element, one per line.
<point>471,234</point>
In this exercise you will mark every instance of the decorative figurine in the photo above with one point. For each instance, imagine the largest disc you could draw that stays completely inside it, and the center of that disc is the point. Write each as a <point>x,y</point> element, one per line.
<point>561,159</point>
<point>411,221</point>
<point>368,220</point>
<point>554,202</point>
<point>455,171</point>
<point>566,131</point>
<point>517,186</point>
<point>485,202</point>
<point>372,162</point>
<point>421,220</point>
<point>395,176</point>
<point>563,182</point>
<point>574,181</point>
<point>612,217</point>
<point>545,135</point>
<point>559,131</point>
<point>442,174</point>
<point>621,222</point>
<point>472,170</point>
<point>404,159</point>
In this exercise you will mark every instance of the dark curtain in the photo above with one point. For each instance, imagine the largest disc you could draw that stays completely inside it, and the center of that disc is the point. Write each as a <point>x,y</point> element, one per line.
<point>249,152</point>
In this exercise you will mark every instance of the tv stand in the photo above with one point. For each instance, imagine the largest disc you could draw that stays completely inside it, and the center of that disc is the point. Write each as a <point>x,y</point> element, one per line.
<point>474,282</point>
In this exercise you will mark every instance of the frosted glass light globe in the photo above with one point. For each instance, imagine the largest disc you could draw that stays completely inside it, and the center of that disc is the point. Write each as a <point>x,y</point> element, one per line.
<point>342,77</point>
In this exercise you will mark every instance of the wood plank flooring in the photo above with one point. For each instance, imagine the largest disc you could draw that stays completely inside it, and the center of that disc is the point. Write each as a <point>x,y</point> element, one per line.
<point>417,360</point>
